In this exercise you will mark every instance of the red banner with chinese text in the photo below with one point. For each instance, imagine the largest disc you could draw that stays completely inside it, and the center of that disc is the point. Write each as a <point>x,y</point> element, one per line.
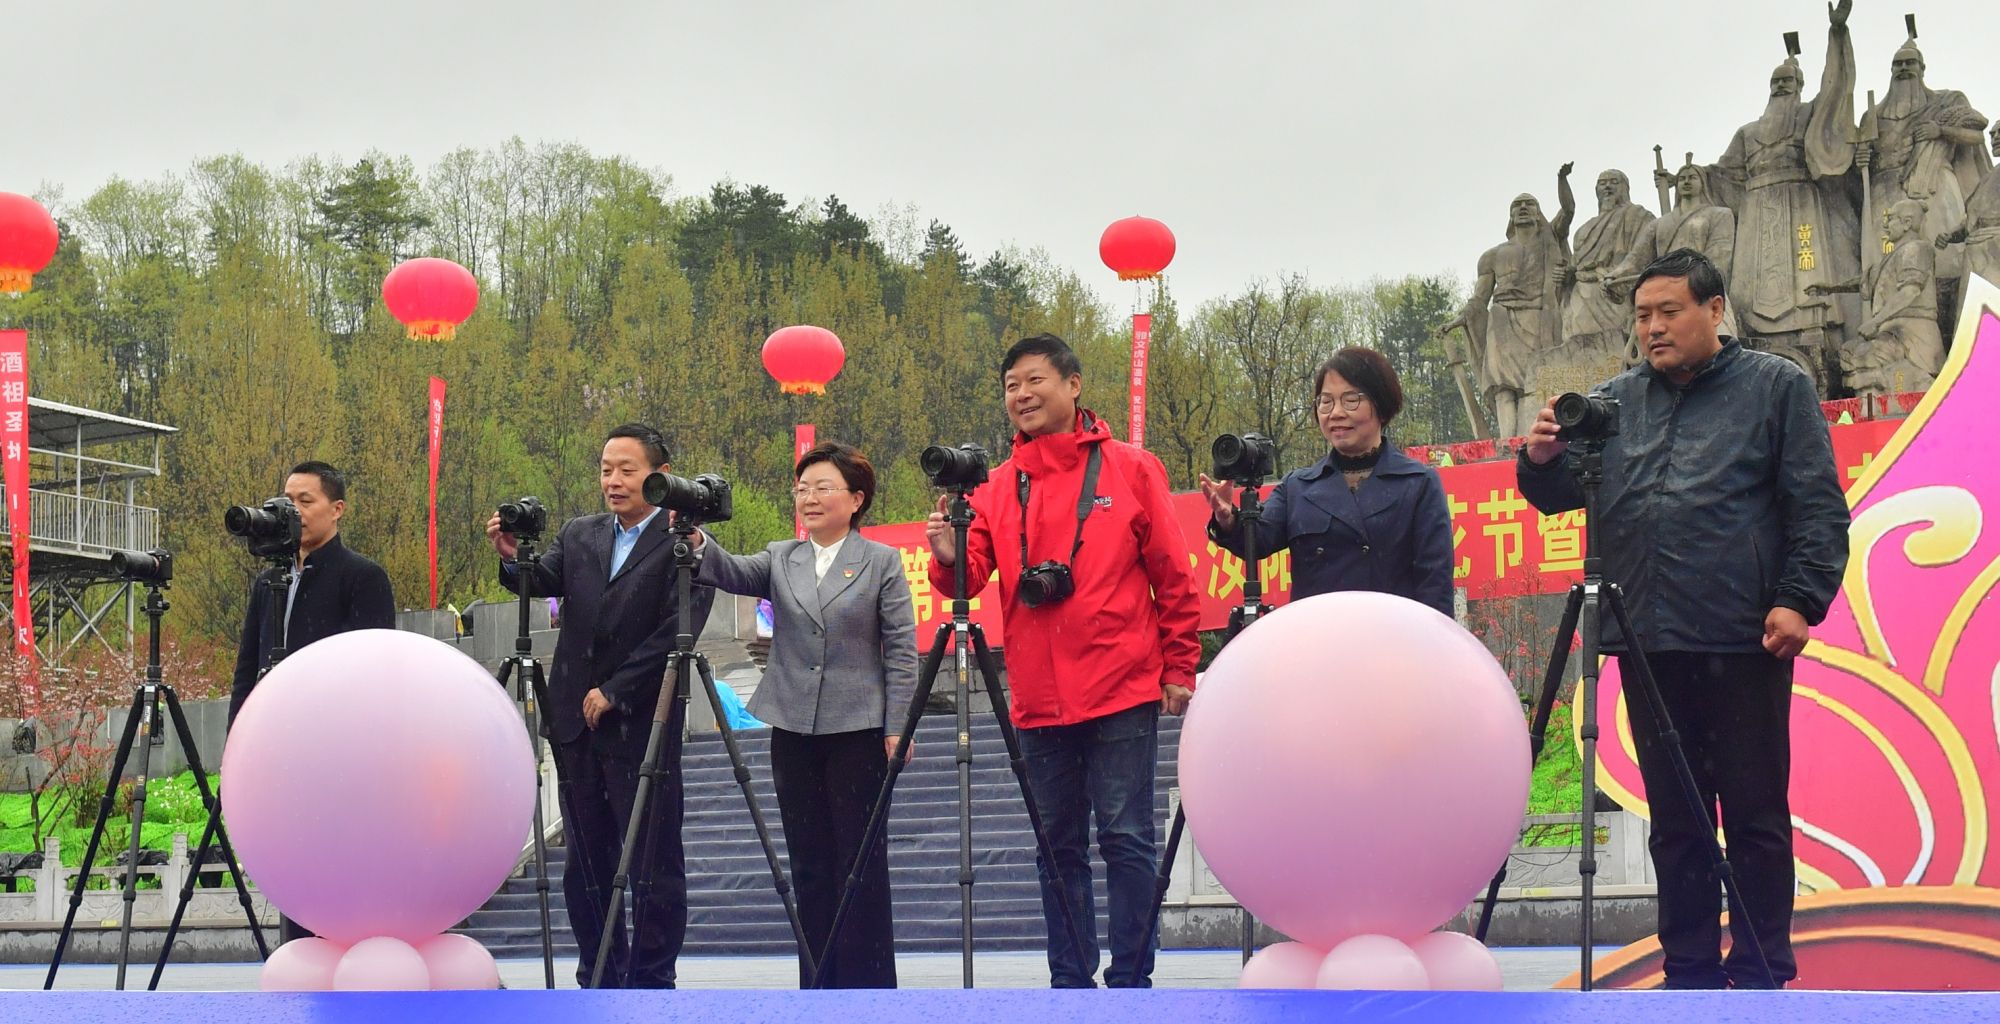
<point>14,446</point>
<point>803,442</point>
<point>435,416</point>
<point>1142,343</point>
<point>1502,546</point>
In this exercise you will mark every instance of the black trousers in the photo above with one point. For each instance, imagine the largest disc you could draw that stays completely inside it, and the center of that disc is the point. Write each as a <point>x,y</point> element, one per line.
<point>599,791</point>
<point>1733,712</point>
<point>826,789</point>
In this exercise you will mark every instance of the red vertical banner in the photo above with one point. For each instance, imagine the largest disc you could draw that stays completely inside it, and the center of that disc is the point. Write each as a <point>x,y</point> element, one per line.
<point>435,416</point>
<point>14,446</point>
<point>1142,340</point>
<point>802,442</point>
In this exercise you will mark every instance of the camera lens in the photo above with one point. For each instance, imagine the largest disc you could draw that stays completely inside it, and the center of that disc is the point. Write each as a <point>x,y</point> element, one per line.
<point>1584,417</point>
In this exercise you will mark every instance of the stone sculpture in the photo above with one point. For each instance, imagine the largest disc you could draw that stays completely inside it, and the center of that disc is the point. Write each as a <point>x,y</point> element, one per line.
<point>1696,222</point>
<point>1980,234</point>
<point>1596,321</point>
<point>1515,313</point>
<point>1900,347</point>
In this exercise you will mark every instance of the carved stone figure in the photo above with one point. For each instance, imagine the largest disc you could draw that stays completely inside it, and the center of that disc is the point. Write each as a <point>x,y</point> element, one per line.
<point>1981,231</point>
<point>1596,323</point>
<point>1926,147</point>
<point>1696,222</point>
<point>1794,226</point>
<point>1900,347</point>
<point>1515,312</point>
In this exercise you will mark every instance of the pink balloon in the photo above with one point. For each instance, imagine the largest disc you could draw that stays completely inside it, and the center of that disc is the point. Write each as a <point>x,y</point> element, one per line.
<point>1374,962</point>
<point>1284,965</point>
<point>301,965</point>
<point>459,961</point>
<point>1354,763</point>
<point>1457,962</point>
<point>378,783</point>
<point>381,964</point>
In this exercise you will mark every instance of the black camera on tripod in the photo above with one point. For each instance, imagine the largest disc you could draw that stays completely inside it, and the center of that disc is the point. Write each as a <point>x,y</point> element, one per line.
<point>1586,419</point>
<point>527,518</point>
<point>1245,459</point>
<point>704,499</point>
<point>954,469</point>
<point>271,530</point>
<point>155,567</point>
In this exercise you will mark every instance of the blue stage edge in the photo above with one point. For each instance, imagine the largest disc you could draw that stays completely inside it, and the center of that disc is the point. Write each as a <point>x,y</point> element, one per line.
<point>996,1006</point>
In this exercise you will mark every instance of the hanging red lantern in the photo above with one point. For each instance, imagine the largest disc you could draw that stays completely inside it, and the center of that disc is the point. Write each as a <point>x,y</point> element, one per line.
<point>803,358</point>
<point>431,297</point>
<point>1138,248</point>
<point>28,241</point>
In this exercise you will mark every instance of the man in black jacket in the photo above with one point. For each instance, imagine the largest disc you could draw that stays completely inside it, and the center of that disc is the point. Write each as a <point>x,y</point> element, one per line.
<point>1722,519</point>
<point>334,589</point>
<point>614,573</point>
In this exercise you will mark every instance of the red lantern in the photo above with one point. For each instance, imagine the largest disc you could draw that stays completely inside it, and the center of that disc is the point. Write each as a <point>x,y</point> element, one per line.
<point>1138,248</point>
<point>27,242</point>
<point>803,358</point>
<point>431,297</point>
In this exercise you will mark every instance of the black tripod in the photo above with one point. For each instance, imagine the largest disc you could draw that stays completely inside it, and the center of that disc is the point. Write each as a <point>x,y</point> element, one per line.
<point>670,718</point>
<point>1583,619</point>
<point>526,672</point>
<point>1250,510</point>
<point>966,640</point>
<point>143,730</point>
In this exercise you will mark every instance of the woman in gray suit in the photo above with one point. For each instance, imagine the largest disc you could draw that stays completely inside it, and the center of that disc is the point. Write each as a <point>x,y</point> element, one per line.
<point>842,671</point>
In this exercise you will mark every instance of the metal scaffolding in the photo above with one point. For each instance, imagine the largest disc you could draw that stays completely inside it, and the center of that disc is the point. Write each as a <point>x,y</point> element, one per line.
<point>81,508</point>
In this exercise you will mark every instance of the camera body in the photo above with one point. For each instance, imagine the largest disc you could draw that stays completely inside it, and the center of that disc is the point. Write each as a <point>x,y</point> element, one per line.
<point>1246,459</point>
<point>271,530</point>
<point>1046,583</point>
<point>704,499</point>
<point>527,518</point>
<point>155,567</point>
<point>955,469</point>
<point>1586,419</point>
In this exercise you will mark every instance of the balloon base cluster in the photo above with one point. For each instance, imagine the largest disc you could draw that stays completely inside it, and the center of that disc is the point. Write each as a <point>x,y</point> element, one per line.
<point>380,964</point>
<point>1439,962</point>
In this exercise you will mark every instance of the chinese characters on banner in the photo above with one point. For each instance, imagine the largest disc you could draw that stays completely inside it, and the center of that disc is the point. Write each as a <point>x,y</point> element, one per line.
<point>1142,342</point>
<point>1501,545</point>
<point>802,442</point>
<point>14,445</point>
<point>436,418</point>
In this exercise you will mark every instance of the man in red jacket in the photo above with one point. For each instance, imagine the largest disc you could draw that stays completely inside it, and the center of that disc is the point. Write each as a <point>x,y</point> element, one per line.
<point>1089,673</point>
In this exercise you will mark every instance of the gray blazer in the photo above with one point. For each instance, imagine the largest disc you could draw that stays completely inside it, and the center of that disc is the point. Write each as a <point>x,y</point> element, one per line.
<point>843,648</point>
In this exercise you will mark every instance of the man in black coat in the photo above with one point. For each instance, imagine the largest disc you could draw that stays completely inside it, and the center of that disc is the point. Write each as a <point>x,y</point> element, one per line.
<point>1721,517</point>
<point>614,573</point>
<point>334,589</point>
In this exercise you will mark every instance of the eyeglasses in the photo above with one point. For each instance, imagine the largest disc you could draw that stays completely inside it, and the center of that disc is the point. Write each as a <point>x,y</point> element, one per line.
<point>824,491</point>
<point>1351,401</point>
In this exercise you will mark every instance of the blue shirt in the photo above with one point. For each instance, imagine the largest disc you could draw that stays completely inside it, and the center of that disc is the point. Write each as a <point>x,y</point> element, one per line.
<point>624,540</point>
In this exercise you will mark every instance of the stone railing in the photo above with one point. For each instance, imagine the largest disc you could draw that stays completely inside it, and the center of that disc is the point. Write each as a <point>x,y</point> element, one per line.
<point>49,903</point>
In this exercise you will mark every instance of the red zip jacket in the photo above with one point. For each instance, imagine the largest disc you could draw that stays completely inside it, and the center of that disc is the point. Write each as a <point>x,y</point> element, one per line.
<point>1129,629</point>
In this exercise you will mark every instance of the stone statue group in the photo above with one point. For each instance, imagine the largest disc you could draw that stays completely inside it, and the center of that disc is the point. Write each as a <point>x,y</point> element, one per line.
<point>1844,242</point>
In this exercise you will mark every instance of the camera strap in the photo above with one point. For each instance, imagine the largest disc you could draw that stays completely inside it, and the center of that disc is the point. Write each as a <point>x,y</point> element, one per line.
<point>1084,502</point>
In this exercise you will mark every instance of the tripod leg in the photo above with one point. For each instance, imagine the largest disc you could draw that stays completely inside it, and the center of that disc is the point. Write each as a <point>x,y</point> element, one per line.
<point>1166,879</point>
<point>878,818</point>
<point>1545,705</point>
<point>1671,739</point>
<point>1019,763</point>
<point>666,713</point>
<point>531,707</point>
<point>778,879</point>
<point>213,802</point>
<point>187,894</point>
<point>144,741</point>
<point>96,835</point>
<point>1589,625</point>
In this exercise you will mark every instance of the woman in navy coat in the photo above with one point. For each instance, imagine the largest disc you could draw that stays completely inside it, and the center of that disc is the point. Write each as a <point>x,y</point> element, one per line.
<point>1366,517</point>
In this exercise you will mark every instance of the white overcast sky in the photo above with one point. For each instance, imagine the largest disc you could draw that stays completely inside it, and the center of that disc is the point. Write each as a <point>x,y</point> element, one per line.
<point>1344,140</point>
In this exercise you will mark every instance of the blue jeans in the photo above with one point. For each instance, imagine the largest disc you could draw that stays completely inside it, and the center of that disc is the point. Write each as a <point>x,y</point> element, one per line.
<point>1103,766</point>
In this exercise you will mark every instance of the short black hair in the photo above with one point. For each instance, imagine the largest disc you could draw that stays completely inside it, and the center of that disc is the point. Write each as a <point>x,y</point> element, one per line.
<point>330,479</point>
<point>854,468</point>
<point>650,439</point>
<point>1370,373</point>
<point>1703,279</point>
<point>1056,350</point>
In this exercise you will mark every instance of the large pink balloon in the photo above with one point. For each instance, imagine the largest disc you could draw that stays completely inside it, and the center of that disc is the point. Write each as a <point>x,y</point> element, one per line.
<point>1282,965</point>
<point>1458,962</point>
<point>1354,763</point>
<point>1375,962</point>
<point>378,783</point>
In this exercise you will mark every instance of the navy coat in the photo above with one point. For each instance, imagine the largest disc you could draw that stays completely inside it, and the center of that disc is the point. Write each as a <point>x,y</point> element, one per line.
<point>1392,534</point>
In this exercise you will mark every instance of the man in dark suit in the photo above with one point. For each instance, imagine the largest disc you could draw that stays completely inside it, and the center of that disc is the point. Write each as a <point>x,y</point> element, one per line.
<point>334,589</point>
<point>614,573</point>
